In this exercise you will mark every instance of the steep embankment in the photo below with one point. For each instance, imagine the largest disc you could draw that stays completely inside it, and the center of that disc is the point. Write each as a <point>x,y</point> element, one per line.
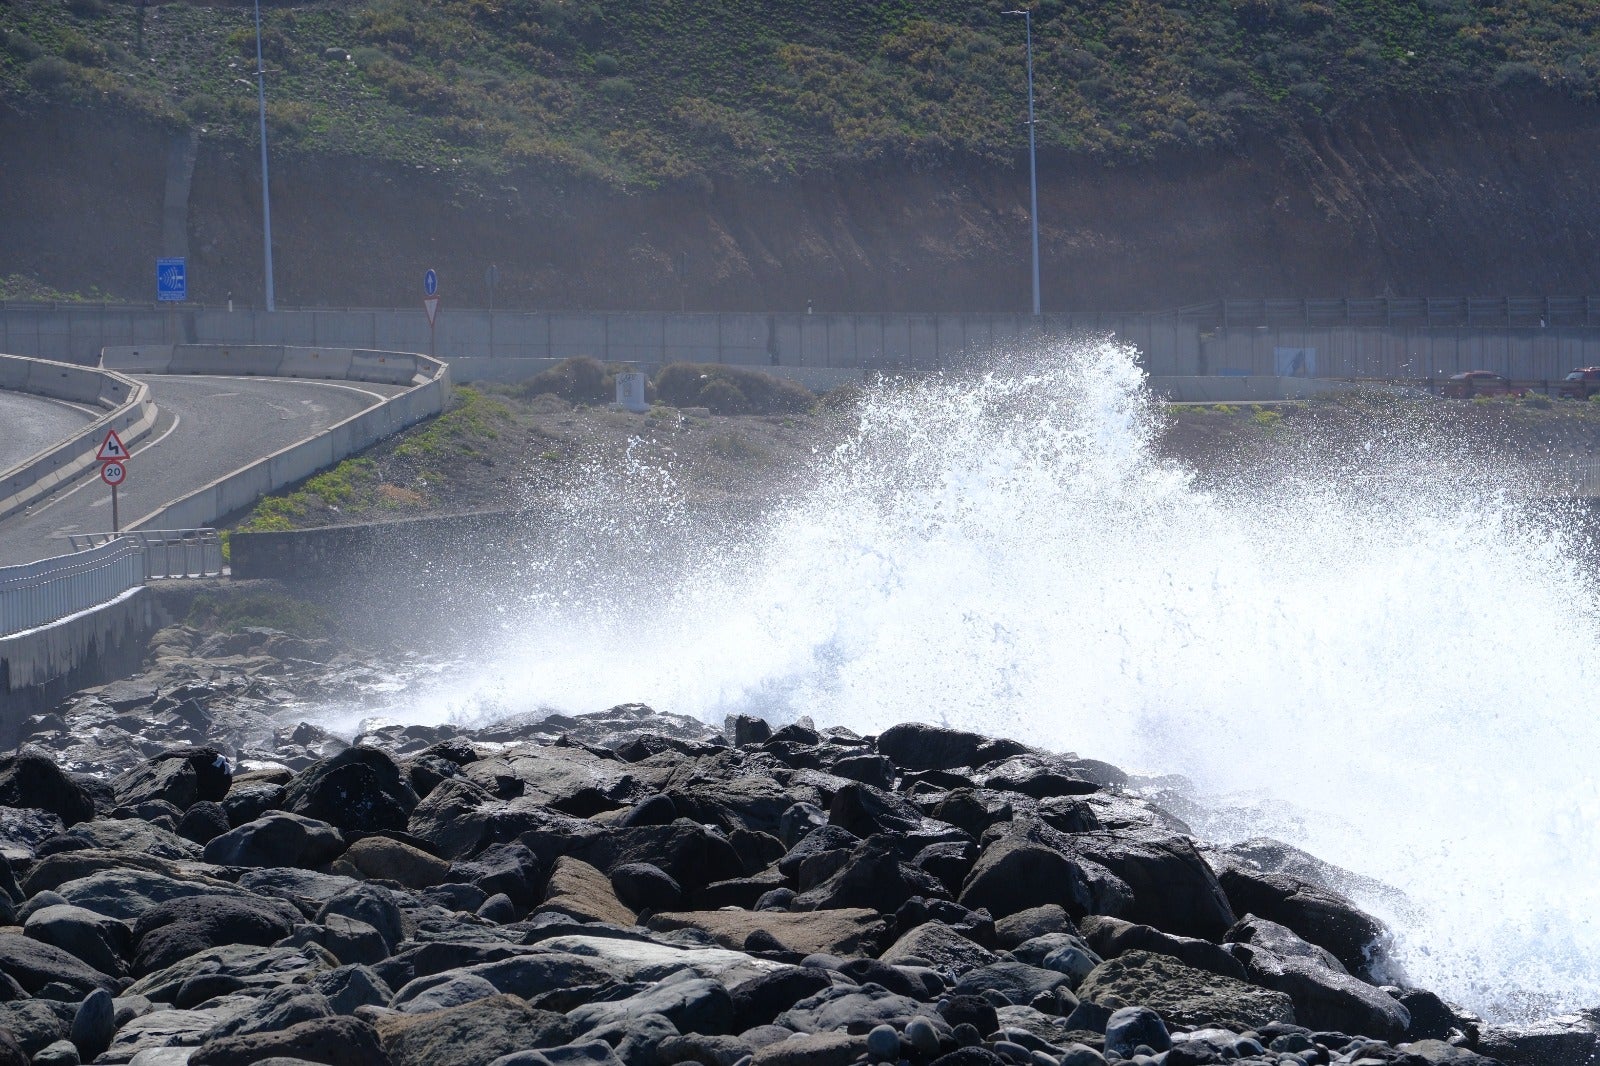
<point>1419,197</point>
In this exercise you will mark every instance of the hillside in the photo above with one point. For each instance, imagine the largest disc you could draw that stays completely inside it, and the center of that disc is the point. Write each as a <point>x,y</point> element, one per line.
<point>863,155</point>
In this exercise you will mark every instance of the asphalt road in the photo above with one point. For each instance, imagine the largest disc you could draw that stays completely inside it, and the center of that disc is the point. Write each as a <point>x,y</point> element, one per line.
<point>30,424</point>
<point>209,426</point>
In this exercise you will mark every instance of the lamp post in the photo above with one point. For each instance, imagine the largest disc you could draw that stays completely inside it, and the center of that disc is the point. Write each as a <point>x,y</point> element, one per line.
<point>266,195</point>
<point>1033,168</point>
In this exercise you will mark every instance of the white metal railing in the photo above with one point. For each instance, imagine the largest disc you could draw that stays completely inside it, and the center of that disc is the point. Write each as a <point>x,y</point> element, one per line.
<point>167,552</point>
<point>36,594</point>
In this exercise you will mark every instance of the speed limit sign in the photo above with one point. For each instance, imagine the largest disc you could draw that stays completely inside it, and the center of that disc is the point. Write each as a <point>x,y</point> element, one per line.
<point>113,473</point>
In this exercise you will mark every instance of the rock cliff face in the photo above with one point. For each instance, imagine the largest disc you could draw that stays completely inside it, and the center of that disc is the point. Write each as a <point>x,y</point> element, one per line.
<point>1415,197</point>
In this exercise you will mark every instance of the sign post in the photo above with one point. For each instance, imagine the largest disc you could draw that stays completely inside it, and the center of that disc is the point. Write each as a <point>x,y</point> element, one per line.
<point>172,280</point>
<point>430,303</point>
<point>112,458</point>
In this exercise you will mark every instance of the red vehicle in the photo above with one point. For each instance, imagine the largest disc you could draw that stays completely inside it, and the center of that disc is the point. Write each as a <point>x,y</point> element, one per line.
<point>1481,383</point>
<point>1581,383</point>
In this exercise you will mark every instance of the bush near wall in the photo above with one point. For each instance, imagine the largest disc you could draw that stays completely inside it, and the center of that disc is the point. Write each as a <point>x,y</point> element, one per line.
<point>730,390</point>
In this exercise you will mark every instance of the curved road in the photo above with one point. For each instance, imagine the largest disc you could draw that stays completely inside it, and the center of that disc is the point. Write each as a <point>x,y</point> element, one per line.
<point>30,424</point>
<point>209,426</point>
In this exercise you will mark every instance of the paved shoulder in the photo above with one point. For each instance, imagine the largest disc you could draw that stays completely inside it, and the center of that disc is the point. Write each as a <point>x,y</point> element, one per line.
<point>210,426</point>
<point>30,424</point>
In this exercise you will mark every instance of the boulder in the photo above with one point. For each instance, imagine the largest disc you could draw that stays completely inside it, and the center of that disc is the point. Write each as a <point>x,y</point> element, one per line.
<point>693,1004</point>
<point>579,890</point>
<point>1325,998</point>
<point>1181,994</point>
<point>846,931</point>
<point>129,893</point>
<point>230,968</point>
<point>763,998</point>
<point>1132,1027</point>
<point>1031,865</point>
<point>1110,937</point>
<point>940,947</point>
<point>360,789</point>
<point>871,877</point>
<point>335,1041</point>
<point>132,835</point>
<point>1017,981</point>
<point>1173,888</point>
<point>30,778</point>
<point>1024,925</point>
<point>1318,915</point>
<point>391,860</point>
<point>856,1010</point>
<point>277,838</point>
<point>204,821</point>
<point>641,886</point>
<point>34,964</point>
<point>918,746</point>
<point>101,942</point>
<point>179,777</point>
<point>94,1024</point>
<point>178,928</point>
<point>351,941</point>
<point>471,1034</point>
<point>373,905</point>
<point>349,987</point>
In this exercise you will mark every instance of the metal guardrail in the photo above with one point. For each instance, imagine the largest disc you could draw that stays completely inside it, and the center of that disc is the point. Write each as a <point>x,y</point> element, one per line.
<point>1418,311</point>
<point>167,552</point>
<point>36,594</point>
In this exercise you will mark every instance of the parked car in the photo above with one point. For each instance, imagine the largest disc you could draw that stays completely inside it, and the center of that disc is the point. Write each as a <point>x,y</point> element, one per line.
<point>1581,383</point>
<point>1473,383</point>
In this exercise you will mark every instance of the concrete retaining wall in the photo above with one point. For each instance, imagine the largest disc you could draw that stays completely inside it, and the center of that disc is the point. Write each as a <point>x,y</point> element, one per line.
<point>430,389</point>
<point>41,667</point>
<point>825,341</point>
<point>1416,354</point>
<point>126,402</point>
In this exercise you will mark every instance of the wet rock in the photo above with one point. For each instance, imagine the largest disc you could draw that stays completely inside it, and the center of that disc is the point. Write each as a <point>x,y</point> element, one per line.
<point>179,777</point>
<point>358,790</point>
<point>1325,998</point>
<point>1181,994</point>
<point>278,838</point>
<point>916,746</point>
<point>1318,915</point>
<point>1173,888</point>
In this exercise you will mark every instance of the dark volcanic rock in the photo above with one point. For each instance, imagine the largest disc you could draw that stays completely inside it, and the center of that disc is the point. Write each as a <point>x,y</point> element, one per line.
<point>34,964</point>
<point>1325,998</point>
<point>1031,865</point>
<point>359,790</point>
<point>1111,937</point>
<point>471,1034</point>
<point>1319,915</point>
<point>915,746</point>
<point>337,1041</point>
<point>181,777</point>
<point>1183,995</point>
<point>30,778</point>
<point>174,930</point>
<point>277,838</point>
<point>103,943</point>
<point>1173,888</point>
<point>871,876</point>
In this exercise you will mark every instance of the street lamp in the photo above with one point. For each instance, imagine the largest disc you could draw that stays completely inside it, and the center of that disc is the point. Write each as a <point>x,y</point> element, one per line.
<point>1033,168</point>
<point>266,195</point>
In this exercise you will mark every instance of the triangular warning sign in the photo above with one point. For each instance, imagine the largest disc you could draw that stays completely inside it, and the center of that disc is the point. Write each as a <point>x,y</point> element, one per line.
<point>111,449</point>
<point>431,305</point>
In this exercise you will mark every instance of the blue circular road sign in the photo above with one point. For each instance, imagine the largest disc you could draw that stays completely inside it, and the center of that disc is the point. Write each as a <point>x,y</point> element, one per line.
<point>430,283</point>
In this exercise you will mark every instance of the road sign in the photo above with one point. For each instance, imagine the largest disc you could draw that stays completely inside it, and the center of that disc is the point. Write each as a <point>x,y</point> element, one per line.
<point>113,473</point>
<point>430,283</point>
<point>172,280</point>
<point>431,305</point>
<point>111,449</point>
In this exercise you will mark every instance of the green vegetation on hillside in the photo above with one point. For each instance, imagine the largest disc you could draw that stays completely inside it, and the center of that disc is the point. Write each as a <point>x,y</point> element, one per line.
<point>674,91</point>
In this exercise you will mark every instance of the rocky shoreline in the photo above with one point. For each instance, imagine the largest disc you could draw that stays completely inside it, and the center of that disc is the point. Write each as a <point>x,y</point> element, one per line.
<point>191,876</point>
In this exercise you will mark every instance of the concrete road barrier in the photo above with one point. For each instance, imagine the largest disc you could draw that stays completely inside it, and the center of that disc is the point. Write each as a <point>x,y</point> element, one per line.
<point>130,411</point>
<point>429,379</point>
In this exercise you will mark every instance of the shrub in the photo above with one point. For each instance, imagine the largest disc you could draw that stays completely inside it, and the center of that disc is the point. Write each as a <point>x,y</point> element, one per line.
<point>606,66</point>
<point>615,90</point>
<point>270,610</point>
<point>48,72</point>
<point>20,45</point>
<point>1517,76</point>
<point>87,9</point>
<point>580,380</point>
<point>731,390</point>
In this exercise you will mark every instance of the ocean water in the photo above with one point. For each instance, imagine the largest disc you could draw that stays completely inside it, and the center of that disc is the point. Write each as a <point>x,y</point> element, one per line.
<point>1359,645</point>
